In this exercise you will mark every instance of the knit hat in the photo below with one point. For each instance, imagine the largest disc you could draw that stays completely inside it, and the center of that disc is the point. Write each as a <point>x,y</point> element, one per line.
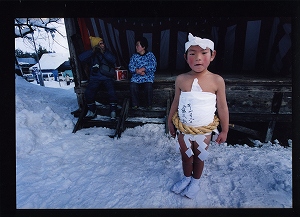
<point>95,41</point>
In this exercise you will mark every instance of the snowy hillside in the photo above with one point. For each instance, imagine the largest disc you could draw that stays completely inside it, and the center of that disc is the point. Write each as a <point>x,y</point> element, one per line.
<point>57,169</point>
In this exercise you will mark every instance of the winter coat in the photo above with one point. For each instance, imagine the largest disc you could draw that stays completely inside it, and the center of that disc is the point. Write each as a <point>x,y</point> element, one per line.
<point>148,61</point>
<point>95,59</point>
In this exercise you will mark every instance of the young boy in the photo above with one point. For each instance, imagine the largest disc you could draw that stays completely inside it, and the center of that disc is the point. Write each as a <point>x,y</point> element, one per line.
<point>198,93</point>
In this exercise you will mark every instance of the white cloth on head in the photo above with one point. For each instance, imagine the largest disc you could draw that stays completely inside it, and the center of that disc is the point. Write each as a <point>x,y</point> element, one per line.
<point>202,42</point>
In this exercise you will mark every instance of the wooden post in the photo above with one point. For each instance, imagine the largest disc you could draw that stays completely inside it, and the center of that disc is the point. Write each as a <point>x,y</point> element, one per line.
<point>276,104</point>
<point>270,131</point>
<point>70,25</point>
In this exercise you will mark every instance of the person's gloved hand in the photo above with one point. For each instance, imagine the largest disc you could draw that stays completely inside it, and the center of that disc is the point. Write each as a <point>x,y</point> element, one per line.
<point>96,49</point>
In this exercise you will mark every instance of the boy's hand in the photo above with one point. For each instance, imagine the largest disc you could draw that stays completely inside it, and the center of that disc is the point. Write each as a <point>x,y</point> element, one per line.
<point>221,138</point>
<point>172,129</point>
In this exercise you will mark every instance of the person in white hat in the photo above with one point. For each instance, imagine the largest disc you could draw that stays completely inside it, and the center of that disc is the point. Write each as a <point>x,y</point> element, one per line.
<point>199,93</point>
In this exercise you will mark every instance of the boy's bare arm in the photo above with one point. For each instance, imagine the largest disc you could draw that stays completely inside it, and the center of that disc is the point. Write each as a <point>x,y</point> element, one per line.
<point>174,108</point>
<point>223,112</point>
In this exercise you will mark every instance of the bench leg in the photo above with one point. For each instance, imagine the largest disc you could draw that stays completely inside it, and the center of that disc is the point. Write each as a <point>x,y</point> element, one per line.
<point>122,118</point>
<point>167,115</point>
<point>80,120</point>
<point>276,103</point>
<point>270,131</point>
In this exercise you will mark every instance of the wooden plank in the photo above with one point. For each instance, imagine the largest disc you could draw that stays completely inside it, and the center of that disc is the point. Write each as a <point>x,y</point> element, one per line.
<point>80,120</point>
<point>108,123</point>
<point>254,133</point>
<point>132,124</point>
<point>249,101</point>
<point>262,117</point>
<point>155,112</point>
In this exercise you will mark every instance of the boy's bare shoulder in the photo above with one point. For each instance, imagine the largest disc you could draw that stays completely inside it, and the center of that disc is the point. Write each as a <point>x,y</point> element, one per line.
<point>217,78</point>
<point>184,81</point>
<point>182,76</point>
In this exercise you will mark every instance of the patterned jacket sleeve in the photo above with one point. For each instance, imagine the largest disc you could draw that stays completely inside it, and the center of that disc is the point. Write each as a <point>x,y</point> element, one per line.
<point>150,65</point>
<point>132,66</point>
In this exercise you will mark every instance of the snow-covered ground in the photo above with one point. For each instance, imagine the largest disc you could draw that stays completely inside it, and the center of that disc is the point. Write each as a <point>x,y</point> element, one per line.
<point>58,169</point>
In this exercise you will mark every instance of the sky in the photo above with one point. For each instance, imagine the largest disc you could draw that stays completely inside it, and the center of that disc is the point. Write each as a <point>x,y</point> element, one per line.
<point>60,45</point>
<point>58,169</point>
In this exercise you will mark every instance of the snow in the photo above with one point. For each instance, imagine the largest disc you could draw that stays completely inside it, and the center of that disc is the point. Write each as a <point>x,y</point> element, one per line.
<point>51,61</point>
<point>58,169</point>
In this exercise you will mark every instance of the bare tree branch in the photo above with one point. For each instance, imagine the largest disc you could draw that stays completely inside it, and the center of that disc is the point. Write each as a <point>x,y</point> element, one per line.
<point>45,29</point>
<point>25,26</point>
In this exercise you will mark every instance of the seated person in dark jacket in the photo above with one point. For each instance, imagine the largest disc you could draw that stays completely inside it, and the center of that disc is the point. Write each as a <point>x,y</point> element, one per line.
<point>95,57</point>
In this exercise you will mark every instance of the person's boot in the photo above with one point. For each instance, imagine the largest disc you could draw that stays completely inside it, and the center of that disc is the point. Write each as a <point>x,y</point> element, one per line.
<point>192,189</point>
<point>113,108</point>
<point>113,115</point>
<point>178,187</point>
<point>92,111</point>
<point>90,114</point>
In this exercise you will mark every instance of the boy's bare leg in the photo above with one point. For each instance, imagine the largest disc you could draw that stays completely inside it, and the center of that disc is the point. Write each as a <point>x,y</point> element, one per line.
<point>198,164</point>
<point>187,166</point>
<point>187,162</point>
<point>192,168</point>
<point>193,188</point>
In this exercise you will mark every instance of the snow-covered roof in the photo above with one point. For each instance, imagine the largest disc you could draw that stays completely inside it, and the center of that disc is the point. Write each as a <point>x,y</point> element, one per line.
<point>24,61</point>
<point>51,60</point>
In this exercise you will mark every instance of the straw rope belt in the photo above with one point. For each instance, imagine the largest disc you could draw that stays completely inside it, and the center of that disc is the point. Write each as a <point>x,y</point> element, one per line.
<point>194,130</point>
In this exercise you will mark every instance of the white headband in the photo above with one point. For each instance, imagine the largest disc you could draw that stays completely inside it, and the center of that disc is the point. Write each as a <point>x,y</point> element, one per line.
<point>202,42</point>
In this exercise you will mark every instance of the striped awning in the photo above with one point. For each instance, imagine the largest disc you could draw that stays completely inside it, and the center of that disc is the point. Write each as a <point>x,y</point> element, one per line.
<point>259,45</point>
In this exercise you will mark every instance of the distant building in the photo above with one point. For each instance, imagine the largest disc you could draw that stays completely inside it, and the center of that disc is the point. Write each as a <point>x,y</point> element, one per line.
<point>53,63</point>
<point>26,61</point>
<point>24,64</point>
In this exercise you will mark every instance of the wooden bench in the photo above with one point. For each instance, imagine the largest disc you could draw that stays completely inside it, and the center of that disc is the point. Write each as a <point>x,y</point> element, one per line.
<point>259,100</point>
<point>250,100</point>
<point>162,95</point>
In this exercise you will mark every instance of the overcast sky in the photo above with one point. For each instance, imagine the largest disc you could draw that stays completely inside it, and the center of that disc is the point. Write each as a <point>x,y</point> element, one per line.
<point>61,46</point>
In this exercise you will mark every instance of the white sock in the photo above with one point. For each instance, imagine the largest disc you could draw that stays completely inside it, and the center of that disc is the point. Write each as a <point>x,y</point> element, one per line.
<point>178,187</point>
<point>192,189</point>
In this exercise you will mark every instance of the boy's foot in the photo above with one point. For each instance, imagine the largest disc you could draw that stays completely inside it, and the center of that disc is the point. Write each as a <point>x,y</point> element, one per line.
<point>90,114</point>
<point>192,189</point>
<point>178,187</point>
